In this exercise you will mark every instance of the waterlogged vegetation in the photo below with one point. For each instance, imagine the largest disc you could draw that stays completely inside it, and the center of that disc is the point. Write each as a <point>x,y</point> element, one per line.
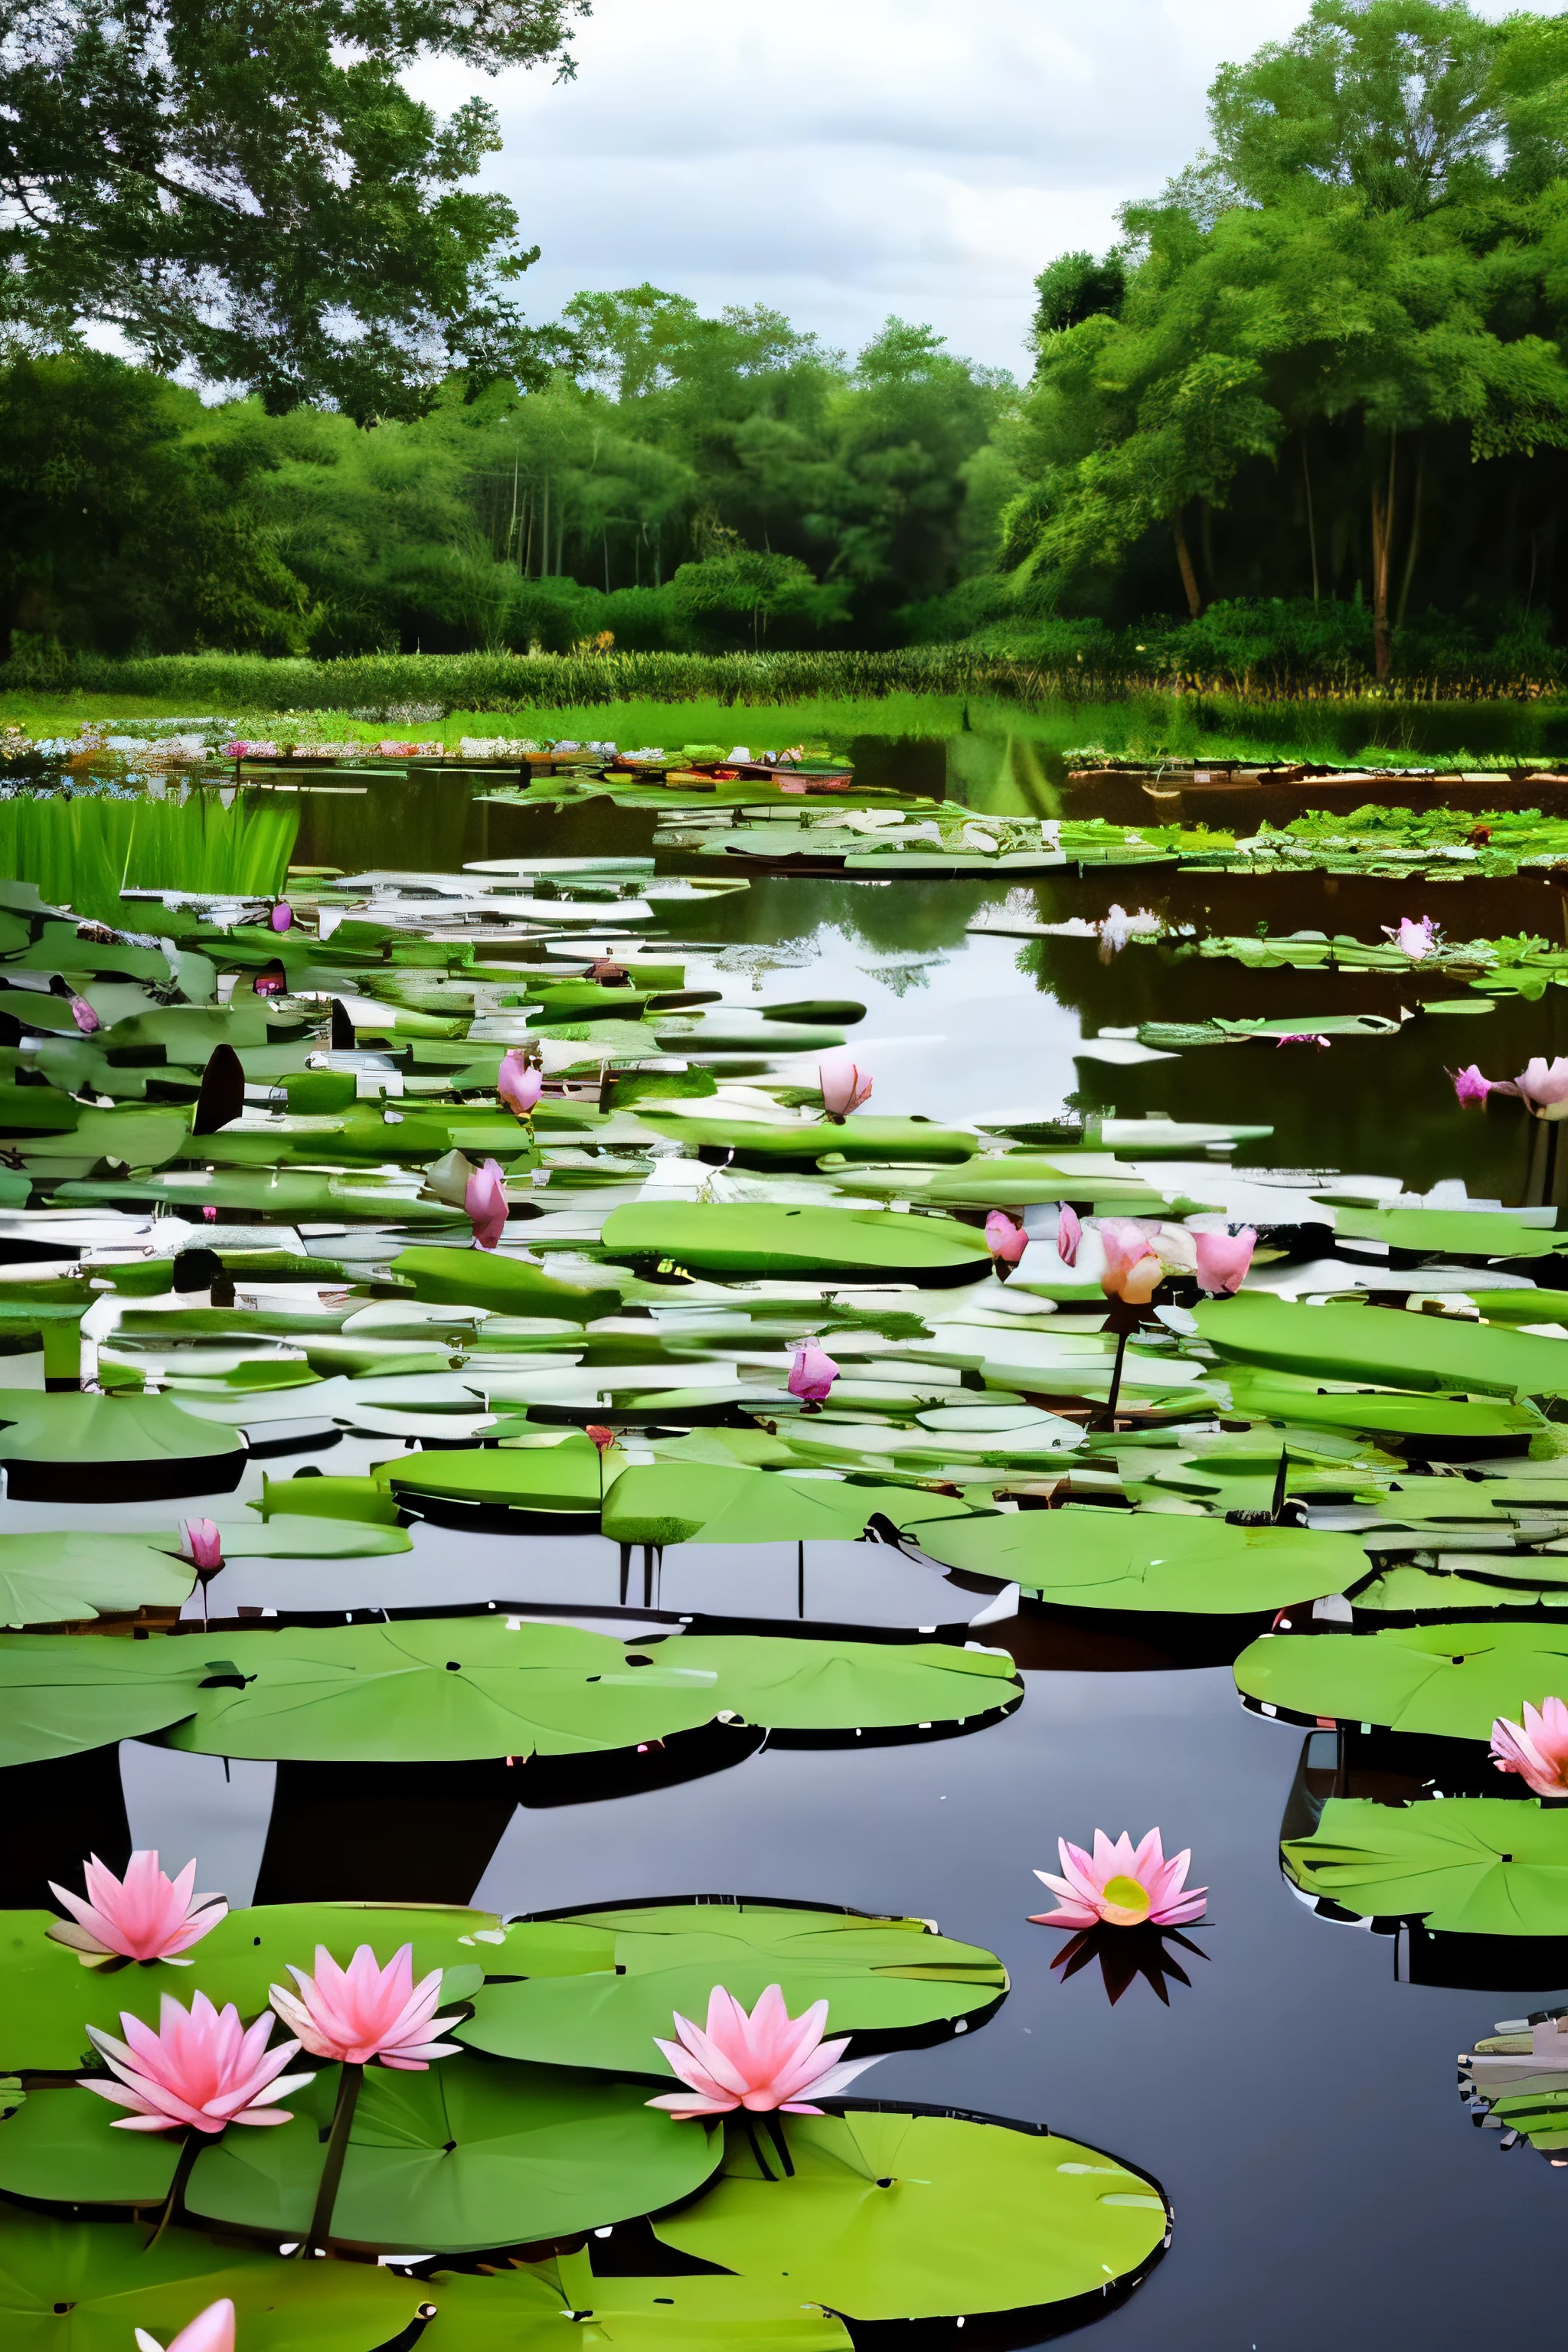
<point>559,1282</point>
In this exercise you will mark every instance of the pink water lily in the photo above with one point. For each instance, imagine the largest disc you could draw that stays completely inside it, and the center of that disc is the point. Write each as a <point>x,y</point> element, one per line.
<point>1224,1259</point>
<point>202,1544</point>
<point>813,1372</point>
<point>1134,1267</point>
<point>1070,1232</point>
<point>845,1085</point>
<point>83,1013</point>
<point>365,2011</point>
<point>1544,1086</point>
<point>485,1204</point>
<point>765,2061</point>
<point>145,1915</point>
<point>211,2330</point>
<point>1303,1038</point>
<point>1415,941</point>
<point>1537,1751</point>
<point>1122,1885</point>
<point>201,2069</point>
<point>602,1437</point>
<point>283,916</point>
<point>1005,1241</point>
<point>1470,1087</point>
<point>518,1083</point>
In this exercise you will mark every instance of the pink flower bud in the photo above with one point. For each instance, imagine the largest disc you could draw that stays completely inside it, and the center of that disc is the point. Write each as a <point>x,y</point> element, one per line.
<point>83,1013</point>
<point>1469,1086</point>
<point>1224,1259</point>
<point>518,1083</point>
<point>1070,1232</point>
<point>845,1085</point>
<point>485,1204</point>
<point>202,1545</point>
<point>283,916</point>
<point>1005,1241</point>
<point>813,1373</point>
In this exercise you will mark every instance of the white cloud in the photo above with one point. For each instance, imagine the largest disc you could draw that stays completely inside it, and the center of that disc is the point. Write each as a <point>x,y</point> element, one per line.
<point>843,159</point>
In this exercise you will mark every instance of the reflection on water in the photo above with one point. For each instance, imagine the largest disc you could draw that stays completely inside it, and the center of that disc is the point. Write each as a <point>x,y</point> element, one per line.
<point>1125,1954</point>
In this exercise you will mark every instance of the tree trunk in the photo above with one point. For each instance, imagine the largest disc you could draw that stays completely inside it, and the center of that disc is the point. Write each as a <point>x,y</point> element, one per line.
<point>1414,548</point>
<point>544,534</point>
<point>1382,539</point>
<point>1311,526</point>
<point>1184,561</point>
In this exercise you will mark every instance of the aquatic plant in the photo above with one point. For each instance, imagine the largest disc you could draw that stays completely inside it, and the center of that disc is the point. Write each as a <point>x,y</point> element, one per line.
<point>1122,1885</point>
<point>763,2060</point>
<point>365,2012</point>
<point>200,2069</point>
<point>145,1915</point>
<point>1536,1749</point>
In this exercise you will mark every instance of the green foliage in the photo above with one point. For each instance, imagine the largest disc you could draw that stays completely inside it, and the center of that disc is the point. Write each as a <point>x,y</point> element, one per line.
<point>261,195</point>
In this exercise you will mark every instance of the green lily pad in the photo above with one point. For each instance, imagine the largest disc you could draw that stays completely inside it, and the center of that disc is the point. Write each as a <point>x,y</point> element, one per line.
<point>1143,1560</point>
<point>1381,1413</point>
<point>539,2305</point>
<point>557,1477</point>
<point>1469,1865</point>
<point>807,1140</point>
<point>110,2282</point>
<point>71,1447</point>
<point>882,1976</point>
<point>701,1502</point>
<point>893,2216</point>
<point>56,1574</point>
<point>473,2153</point>
<point>60,1694</point>
<point>846,1686</point>
<point>509,1286</point>
<point>1394,1348</point>
<point>1451,1233</point>
<point>48,1998</point>
<point>1454,1680</point>
<point>751,1238</point>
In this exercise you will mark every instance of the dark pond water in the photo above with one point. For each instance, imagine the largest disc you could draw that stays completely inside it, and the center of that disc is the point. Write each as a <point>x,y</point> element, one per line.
<point>1297,2101</point>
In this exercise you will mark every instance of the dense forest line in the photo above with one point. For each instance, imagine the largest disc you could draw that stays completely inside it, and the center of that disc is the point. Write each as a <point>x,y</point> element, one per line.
<point>1308,417</point>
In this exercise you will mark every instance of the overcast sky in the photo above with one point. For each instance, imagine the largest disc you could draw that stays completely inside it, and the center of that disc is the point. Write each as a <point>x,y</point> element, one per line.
<point>843,159</point>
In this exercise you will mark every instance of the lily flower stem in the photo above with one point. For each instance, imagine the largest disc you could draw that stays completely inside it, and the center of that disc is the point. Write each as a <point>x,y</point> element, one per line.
<point>1278,1503</point>
<point>194,2144</point>
<point>762,2166</point>
<point>349,2082</point>
<point>1110,1421</point>
<point>776,2134</point>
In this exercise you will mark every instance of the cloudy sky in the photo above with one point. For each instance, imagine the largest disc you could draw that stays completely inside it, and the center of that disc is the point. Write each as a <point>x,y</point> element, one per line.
<point>843,159</point>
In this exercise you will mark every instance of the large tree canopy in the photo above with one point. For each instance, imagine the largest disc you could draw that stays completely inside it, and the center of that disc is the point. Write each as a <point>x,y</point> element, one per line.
<point>1335,341</point>
<point>248,187</point>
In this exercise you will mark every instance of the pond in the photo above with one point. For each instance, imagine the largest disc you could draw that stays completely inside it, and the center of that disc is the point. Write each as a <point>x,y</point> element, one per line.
<point>1286,2078</point>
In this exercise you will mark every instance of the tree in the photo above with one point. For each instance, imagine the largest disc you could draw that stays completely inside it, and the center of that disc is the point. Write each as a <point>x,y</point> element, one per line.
<point>246,187</point>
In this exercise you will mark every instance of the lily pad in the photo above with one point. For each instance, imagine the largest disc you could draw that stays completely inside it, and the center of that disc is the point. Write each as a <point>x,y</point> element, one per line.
<point>60,1694</point>
<point>1394,1348</point>
<point>557,1477</point>
<point>110,2281</point>
<point>846,1686</point>
<point>72,1447</point>
<point>804,1142</point>
<point>887,1976</point>
<point>48,1998</point>
<point>1451,1233</point>
<point>538,2307</point>
<point>1454,1680</point>
<point>1469,1865</point>
<point>751,1238</point>
<point>56,1574</point>
<point>700,1502</point>
<point>509,1286</point>
<point>1152,1561</point>
<point>899,2216</point>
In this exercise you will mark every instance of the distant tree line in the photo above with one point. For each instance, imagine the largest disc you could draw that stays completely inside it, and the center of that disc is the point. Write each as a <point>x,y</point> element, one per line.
<point>1308,416</point>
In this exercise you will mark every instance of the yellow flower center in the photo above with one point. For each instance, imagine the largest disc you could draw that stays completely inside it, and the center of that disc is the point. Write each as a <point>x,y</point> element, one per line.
<point>1126,1902</point>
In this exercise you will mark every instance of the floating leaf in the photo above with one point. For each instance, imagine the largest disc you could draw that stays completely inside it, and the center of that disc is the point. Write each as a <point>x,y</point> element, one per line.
<point>700,1502</point>
<point>743,1237</point>
<point>1393,1349</point>
<point>73,1447</point>
<point>881,1976</point>
<point>1454,1680</point>
<point>1469,1865</point>
<point>1143,1559</point>
<point>893,2216</point>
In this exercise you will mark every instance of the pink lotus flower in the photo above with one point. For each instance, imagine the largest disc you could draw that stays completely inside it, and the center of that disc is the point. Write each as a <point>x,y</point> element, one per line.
<point>1005,1241</point>
<point>202,1545</point>
<point>366,2011</point>
<point>211,2330</point>
<point>145,1915</point>
<point>485,1203</point>
<point>518,1084</point>
<point>1224,1259</point>
<point>1538,1753</point>
<point>200,2068</point>
<point>1415,941</point>
<point>763,2062</point>
<point>1544,1086</point>
<point>83,1013</point>
<point>1123,1887</point>
<point>282,916</point>
<point>1070,1232</point>
<point>1134,1267</point>
<point>813,1373</point>
<point>1470,1087</point>
<point>845,1085</point>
